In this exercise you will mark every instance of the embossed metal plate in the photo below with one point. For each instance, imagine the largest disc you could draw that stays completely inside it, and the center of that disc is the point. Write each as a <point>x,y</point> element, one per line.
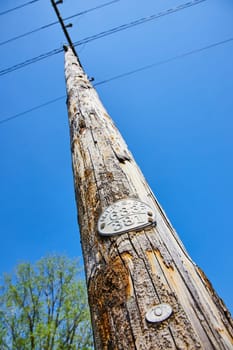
<point>124,216</point>
<point>159,313</point>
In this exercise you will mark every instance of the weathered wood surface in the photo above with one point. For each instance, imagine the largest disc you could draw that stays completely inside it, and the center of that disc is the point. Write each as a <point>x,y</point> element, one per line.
<point>130,273</point>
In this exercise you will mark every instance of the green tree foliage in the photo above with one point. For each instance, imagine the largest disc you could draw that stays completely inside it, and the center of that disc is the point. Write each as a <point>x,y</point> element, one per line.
<point>44,307</point>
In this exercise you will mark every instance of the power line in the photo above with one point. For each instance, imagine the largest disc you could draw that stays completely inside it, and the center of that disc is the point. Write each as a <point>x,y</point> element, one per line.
<point>30,61</point>
<point>168,60</point>
<point>91,9</point>
<point>28,33</point>
<point>119,76</point>
<point>56,22</point>
<point>101,35</point>
<point>18,7</point>
<point>138,22</point>
<point>15,116</point>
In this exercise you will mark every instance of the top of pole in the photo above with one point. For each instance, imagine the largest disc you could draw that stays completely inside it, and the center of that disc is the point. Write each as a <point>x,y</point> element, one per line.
<point>54,4</point>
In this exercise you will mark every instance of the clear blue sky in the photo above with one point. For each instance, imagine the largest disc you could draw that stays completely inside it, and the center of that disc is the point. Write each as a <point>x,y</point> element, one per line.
<point>176,119</point>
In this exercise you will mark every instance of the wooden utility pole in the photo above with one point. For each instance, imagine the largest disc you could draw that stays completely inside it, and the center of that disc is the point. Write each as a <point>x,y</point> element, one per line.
<point>144,290</point>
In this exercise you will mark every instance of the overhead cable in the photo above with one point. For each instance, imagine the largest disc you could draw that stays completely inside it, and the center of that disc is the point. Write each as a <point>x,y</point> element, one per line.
<point>56,22</point>
<point>137,22</point>
<point>159,63</point>
<point>91,9</point>
<point>18,7</point>
<point>15,116</point>
<point>30,61</point>
<point>119,76</point>
<point>101,35</point>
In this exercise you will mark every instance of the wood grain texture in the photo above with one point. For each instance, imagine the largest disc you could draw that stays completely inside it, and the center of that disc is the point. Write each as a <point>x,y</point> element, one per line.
<point>132,272</point>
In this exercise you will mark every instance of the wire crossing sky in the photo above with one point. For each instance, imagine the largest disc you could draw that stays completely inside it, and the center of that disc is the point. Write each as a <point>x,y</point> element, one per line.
<point>100,35</point>
<point>168,86</point>
<point>56,22</point>
<point>119,76</point>
<point>18,7</point>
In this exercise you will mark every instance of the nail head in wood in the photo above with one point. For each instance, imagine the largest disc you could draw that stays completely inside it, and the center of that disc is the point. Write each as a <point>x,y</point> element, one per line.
<point>159,313</point>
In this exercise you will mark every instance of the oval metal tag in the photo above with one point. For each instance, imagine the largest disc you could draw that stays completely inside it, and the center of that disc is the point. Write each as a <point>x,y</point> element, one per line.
<point>125,215</point>
<point>159,313</point>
